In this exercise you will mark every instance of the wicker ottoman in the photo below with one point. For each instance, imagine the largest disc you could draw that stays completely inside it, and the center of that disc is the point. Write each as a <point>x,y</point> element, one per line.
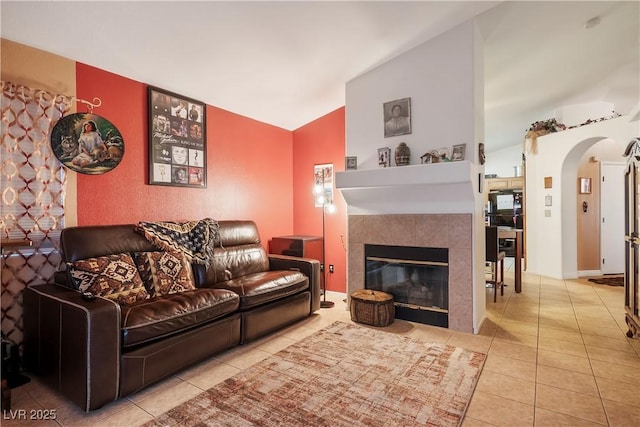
<point>372,307</point>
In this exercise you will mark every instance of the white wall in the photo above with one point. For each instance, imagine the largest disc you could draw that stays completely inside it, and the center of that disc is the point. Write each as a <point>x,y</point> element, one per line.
<point>608,151</point>
<point>551,230</point>
<point>444,78</point>
<point>576,114</point>
<point>501,162</point>
<point>438,76</point>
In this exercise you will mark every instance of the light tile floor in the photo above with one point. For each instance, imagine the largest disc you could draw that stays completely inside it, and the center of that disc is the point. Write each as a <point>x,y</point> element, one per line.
<point>557,355</point>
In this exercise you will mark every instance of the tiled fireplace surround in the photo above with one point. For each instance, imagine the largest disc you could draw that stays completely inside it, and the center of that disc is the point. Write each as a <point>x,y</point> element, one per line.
<point>451,231</point>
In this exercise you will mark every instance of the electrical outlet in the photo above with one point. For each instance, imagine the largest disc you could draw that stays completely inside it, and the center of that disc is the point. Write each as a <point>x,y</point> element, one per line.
<point>330,268</point>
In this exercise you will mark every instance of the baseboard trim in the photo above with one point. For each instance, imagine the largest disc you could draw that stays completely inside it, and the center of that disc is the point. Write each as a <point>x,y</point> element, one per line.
<point>589,273</point>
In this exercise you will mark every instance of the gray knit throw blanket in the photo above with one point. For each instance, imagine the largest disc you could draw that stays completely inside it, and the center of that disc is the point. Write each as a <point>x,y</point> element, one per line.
<point>196,239</point>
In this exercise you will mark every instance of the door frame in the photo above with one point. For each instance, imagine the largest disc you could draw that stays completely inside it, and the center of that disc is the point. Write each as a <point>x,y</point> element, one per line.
<point>605,203</point>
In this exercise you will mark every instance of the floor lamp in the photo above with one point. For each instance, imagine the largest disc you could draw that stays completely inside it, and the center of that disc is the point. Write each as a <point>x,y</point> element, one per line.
<point>324,303</point>
<point>324,199</point>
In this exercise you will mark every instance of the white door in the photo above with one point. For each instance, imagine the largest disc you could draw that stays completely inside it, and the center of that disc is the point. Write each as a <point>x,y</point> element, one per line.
<point>612,217</point>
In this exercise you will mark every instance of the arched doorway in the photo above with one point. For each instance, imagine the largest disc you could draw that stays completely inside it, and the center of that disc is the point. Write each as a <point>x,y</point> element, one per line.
<point>551,210</point>
<point>570,202</point>
<point>581,210</point>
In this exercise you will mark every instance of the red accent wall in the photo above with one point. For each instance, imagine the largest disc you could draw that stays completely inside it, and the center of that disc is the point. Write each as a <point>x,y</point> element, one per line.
<point>321,141</point>
<point>249,166</point>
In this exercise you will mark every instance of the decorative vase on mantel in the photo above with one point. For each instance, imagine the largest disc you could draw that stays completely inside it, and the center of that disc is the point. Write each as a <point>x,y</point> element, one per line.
<point>403,154</point>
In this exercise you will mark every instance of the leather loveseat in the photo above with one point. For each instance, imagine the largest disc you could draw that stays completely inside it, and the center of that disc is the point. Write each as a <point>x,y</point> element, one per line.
<point>94,351</point>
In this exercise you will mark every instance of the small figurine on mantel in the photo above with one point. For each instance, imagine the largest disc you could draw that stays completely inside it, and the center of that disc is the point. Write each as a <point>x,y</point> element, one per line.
<point>430,157</point>
<point>402,154</point>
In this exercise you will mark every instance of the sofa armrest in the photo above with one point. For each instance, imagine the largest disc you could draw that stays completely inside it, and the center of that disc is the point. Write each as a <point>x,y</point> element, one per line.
<point>73,344</point>
<point>61,278</point>
<point>307,266</point>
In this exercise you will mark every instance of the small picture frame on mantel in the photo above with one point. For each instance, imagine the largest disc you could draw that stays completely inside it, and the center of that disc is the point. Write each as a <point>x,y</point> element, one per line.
<point>458,153</point>
<point>384,157</point>
<point>350,163</point>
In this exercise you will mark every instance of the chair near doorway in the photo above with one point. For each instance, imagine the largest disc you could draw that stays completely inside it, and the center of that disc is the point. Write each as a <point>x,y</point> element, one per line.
<point>495,256</point>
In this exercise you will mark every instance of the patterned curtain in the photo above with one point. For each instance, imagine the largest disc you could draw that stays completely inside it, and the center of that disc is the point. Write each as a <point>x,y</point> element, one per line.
<point>32,190</point>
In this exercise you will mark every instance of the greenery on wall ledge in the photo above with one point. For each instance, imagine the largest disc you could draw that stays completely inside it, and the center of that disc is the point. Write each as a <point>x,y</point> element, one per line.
<point>548,126</point>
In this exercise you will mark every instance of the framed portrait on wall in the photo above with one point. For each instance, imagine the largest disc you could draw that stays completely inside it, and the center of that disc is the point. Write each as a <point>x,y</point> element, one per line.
<point>177,140</point>
<point>397,117</point>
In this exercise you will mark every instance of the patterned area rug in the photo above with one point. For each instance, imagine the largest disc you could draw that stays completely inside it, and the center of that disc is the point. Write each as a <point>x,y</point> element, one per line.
<point>611,281</point>
<point>343,375</point>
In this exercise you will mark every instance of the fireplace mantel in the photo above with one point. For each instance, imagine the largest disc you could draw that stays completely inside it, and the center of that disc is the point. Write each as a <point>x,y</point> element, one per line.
<point>434,188</point>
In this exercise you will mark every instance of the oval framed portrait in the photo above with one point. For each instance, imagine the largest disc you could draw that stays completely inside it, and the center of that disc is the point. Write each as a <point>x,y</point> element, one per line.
<point>87,143</point>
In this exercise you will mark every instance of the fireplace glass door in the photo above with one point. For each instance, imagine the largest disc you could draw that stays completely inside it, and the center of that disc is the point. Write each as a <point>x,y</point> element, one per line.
<point>416,277</point>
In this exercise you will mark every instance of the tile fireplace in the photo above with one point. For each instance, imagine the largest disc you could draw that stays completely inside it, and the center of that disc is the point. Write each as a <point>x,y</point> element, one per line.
<point>419,234</point>
<point>436,206</point>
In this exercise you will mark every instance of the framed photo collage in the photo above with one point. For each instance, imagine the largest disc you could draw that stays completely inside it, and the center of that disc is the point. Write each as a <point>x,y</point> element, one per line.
<point>177,140</point>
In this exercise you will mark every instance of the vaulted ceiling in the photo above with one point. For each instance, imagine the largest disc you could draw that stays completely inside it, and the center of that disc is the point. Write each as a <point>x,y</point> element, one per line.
<point>286,63</point>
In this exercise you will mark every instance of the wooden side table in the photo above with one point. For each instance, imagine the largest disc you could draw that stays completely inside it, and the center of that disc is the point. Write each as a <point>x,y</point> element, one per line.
<point>370,307</point>
<point>298,246</point>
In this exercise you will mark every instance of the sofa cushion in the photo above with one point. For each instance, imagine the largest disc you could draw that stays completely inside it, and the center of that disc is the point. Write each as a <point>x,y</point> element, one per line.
<point>113,276</point>
<point>89,241</point>
<point>230,262</point>
<point>164,272</point>
<point>166,315</point>
<point>259,288</point>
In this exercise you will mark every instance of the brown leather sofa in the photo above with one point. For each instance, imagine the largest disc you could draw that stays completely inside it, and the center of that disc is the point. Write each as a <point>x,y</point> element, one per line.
<point>96,351</point>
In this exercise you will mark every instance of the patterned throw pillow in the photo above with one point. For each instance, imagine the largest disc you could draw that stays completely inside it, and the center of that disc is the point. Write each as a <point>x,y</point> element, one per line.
<point>165,272</point>
<point>114,276</point>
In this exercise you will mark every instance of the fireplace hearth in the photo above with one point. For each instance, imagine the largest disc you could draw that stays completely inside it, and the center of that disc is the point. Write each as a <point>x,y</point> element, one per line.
<point>417,277</point>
